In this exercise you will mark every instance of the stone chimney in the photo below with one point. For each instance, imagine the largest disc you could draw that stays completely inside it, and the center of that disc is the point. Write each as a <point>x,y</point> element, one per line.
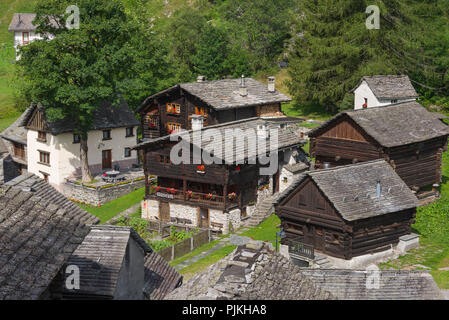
<point>201,79</point>
<point>197,122</point>
<point>243,90</point>
<point>271,84</point>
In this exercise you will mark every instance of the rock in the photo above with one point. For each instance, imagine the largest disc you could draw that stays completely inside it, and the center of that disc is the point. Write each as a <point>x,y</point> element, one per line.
<point>253,244</point>
<point>248,254</point>
<point>239,263</point>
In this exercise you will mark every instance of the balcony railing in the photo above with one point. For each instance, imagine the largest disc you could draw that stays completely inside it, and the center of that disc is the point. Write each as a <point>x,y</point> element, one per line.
<point>299,248</point>
<point>191,196</point>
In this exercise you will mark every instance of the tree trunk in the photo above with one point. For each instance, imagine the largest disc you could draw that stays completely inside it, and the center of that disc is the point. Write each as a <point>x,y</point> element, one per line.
<point>85,171</point>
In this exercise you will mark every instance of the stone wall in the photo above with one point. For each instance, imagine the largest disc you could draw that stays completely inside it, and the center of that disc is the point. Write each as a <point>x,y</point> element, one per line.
<point>98,195</point>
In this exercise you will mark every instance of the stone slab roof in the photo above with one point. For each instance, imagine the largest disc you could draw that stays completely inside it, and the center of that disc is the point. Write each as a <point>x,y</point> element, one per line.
<point>352,189</point>
<point>99,258</point>
<point>17,132</point>
<point>160,277</point>
<point>24,22</point>
<point>224,94</point>
<point>251,272</point>
<point>394,125</point>
<point>287,137</point>
<point>40,188</point>
<point>297,167</point>
<point>37,236</point>
<point>107,116</point>
<point>390,87</point>
<point>393,284</point>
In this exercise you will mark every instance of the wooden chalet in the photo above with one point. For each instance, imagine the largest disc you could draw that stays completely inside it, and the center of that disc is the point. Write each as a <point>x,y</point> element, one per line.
<point>347,211</point>
<point>218,101</point>
<point>406,135</point>
<point>206,195</point>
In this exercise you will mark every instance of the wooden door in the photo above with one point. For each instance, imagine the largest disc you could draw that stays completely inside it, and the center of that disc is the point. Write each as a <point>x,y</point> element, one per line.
<point>276,182</point>
<point>25,38</point>
<point>203,219</point>
<point>106,159</point>
<point>164,211</point>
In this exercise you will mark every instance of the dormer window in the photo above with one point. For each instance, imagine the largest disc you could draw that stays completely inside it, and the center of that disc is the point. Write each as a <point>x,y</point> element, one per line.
<point>173,108</point>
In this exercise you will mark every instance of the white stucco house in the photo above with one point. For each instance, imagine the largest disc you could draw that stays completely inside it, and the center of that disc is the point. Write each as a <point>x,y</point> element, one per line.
<point>377,91</point>
<point>53,149</point>
<point>24,30</point>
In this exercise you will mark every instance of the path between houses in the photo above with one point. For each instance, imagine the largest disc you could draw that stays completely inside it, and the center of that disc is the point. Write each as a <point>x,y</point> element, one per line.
<point>125,213</point>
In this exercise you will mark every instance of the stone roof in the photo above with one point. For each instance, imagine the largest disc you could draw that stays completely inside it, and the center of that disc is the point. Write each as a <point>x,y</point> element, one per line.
<point>390,87</point>
<point>287,137</point>
<point>393,284</point>
<point>24,22</point>
<point>224,94</point>
<point>296,167</point>
<point>394,125</point>
<point>17,132</point>
<point>160,277</point>
<point>37,236</point>
<point>251,272</point>
<point>3,148</point>
<point>100,257</point>
<point>40,188</point>
<point>352,189</point>
<point>107,116</point>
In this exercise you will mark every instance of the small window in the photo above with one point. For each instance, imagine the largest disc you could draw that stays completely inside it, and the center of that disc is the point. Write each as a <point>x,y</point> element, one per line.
<point>42,136</point>
<point>173,127</point>
<point>44,157</point>
<point>365,105</point>
<point>127,152</point>
<point>76,138</point>
<point>44,176</point>
<point>106,134</point>
<point>129,132</point>
<point>173,108</point>
<point>201,111</point>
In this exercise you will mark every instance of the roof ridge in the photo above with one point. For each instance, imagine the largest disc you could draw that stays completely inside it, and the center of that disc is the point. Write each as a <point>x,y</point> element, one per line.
<point>359,164</point>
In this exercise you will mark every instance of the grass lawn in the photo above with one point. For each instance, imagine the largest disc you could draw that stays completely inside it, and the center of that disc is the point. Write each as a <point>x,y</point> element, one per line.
<point>114,207</point>
<point>266,231</point>
<point>202,264</point>
<point>432,224</point>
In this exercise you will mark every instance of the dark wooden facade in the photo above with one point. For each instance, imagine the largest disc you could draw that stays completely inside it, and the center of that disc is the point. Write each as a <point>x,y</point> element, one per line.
<point>193,186</point>
<point>155,119</point>
<point>307,215</point>
<point>343,142</point>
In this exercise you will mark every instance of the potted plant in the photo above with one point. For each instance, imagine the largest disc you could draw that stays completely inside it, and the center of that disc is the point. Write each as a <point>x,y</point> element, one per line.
<point>237,168</point>
<point>201,169</point>
<point>189,193</point>
<point>232,196</point>
<point>209,196</point>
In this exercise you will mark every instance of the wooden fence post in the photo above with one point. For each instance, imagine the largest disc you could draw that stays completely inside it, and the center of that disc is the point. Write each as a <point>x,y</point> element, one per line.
<point>191,244</point>
<point>173,252</point>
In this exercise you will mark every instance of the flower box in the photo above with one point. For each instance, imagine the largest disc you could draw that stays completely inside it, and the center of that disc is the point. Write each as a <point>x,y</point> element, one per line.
<point>201,169</point>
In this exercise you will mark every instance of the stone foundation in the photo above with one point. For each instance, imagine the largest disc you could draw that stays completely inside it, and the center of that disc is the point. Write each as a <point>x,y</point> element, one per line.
<point>98,196</point>
<point>150,211</point>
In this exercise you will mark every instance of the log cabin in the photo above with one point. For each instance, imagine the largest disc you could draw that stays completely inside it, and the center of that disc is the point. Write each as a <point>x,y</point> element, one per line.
<point>217,101</point>
<point>406,135</point>
<point>347,211</point>
<point>216,195</point>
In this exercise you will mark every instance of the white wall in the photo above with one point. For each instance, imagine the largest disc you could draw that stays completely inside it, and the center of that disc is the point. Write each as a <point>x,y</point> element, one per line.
<point>18,39</point>
<point>363,91</point>
<point>65,155</point>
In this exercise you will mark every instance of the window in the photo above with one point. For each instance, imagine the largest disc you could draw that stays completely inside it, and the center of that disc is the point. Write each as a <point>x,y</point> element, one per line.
<point>394,101</point>
<point>163,159</point>
<point>365,105</point>
<point>130,132</point>
<point>201,111</point>
<point>173,108</point>
<point>41,136</point>
<point>25,37</point>
<point>76,138</point>
<point>153,122</point>
<point>127,152</point>
<point>19,150</point>
<point>173,127</point>
<point>44,176</point>
<point>44,157</point>
<point>106,134</point>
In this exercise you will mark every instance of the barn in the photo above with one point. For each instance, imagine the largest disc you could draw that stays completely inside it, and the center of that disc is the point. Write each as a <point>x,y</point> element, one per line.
<point>347,211</point>
<point>406,135</point>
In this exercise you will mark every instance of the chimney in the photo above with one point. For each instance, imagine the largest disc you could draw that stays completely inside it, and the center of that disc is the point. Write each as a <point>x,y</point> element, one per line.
<point>271,84</point>
<point>201,79</point>
<point>197,122</point>
<point>243,90</point>
<point>378,189</point>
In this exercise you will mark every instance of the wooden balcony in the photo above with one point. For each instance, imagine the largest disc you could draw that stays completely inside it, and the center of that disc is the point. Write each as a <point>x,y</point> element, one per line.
<point>194,198</point>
